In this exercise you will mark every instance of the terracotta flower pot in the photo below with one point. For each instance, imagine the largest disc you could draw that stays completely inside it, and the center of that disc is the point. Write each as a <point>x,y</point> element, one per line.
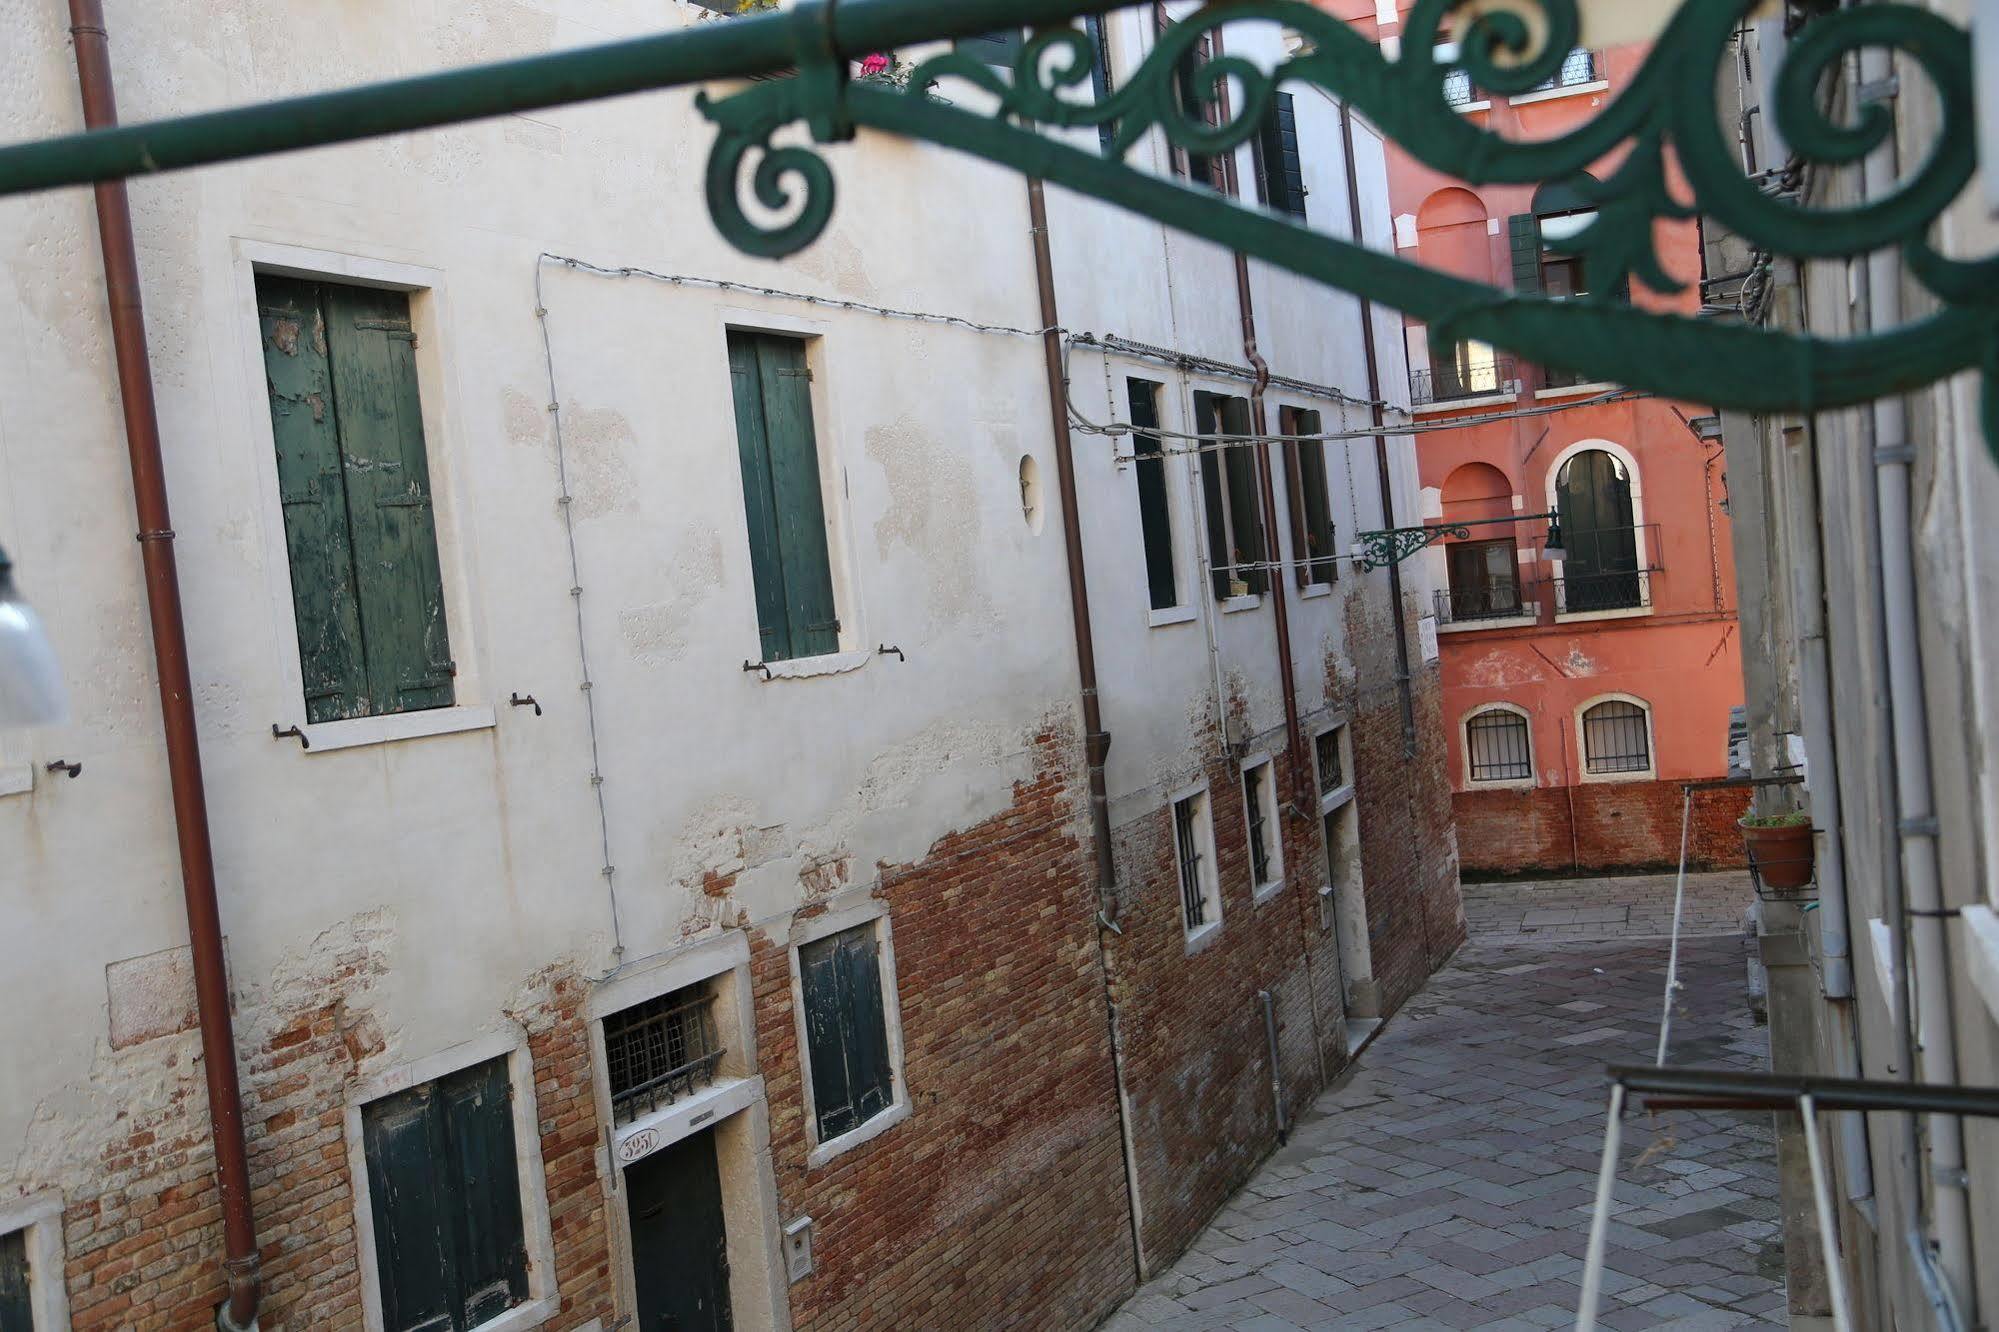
<point>1782,857</point>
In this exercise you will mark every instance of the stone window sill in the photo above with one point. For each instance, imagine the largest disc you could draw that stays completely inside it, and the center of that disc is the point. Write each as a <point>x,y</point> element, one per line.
<point>813,668</point>
<point>1204,937</point>
<point>329,737</point>
<point>1582,617</point>
<point>1464,404</point>
<point>1506,622</point>
<point>853,1138</point>
<point>1159,619</point>
<point>1315,591</point>
<point>1556,94</point>
<point>1575,391</point>
<point>1237,605</point>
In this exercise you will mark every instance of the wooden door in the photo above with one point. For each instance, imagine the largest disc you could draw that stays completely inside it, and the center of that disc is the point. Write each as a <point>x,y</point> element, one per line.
<point>680,1254</point>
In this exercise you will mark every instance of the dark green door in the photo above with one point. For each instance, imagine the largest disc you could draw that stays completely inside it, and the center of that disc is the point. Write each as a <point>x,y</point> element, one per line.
<point>16,1315</point>
<point>1593,494</point>
<point>680,1255</point>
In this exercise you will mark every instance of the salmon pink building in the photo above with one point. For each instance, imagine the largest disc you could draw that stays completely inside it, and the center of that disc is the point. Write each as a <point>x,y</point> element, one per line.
<point>1586,680</point>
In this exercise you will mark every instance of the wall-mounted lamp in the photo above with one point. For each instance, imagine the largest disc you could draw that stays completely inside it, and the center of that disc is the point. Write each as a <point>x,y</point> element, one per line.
<point>31,689</point>
<point>1555,548</point>
<point>1378,550</point>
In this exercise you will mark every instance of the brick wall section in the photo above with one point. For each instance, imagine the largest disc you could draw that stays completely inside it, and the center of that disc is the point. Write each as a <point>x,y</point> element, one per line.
<point>1616,826</point>
<point>143,1226</point>
<point>1001,1200</point>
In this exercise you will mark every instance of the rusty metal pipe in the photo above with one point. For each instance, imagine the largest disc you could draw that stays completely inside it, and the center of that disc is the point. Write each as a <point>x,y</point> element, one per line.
<point>190,802</point>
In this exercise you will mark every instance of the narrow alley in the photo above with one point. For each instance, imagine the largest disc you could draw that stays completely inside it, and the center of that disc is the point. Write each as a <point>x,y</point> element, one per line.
<point>1447,1181</point>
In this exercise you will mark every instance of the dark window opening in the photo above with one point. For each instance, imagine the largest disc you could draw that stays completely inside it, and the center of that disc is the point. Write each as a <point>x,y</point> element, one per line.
<point>1311,499</point>
<point>1236,548</point>
<point>444,1188</point>
<point>1203,100</point>
<point>1498,748</point>
<point>1259,800</point>
<point>1280,166</point>
<point>782,499</point>
<point>846,1030</point>
<point>1602,570</point>
<point>17,1312</point>
<point>1332,768</point>
<point>1193,894</point>
<point>1101,87</point>
<point>1485,580</point>
<point>659,1051</point>
<point>1616,739</point>
<point>354,480</point>
<point>1154,512</point>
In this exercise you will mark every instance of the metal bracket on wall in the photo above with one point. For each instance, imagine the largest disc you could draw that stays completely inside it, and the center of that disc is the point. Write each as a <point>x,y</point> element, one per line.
<point>70,770</point>
<point>290,733</point>
<point>752,667</point>
<point>524,701</point>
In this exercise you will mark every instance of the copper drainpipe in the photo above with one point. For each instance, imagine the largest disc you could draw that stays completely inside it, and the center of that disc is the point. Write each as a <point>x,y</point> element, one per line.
<point>1096,740</point>
<point>156,536</point>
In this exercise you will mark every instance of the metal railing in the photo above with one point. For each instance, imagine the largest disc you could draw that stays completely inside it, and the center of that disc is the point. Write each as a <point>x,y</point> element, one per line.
<point>660,1051</point>
<point>1587,594</point>
<point>1580,67</point>
<point>1448,383</point>
<point>1495,601</point>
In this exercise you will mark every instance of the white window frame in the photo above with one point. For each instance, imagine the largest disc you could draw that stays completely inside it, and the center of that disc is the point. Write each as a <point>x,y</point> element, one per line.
<point>1527,783</point>
<point>542,1302</point>
<point>1187,608</point>
<point>1249,601</point>
<point>1651,770</point>
<point>822,354</point>
<point>38,1220</point>
<point>1265,795</point>
<point>867,913</point>
<point>447,459</point>
<point>1331,799</point>
<point>1200,936</point>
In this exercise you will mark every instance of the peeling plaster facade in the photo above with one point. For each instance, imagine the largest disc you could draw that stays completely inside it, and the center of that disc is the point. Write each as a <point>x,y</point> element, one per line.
<point>414,894</point>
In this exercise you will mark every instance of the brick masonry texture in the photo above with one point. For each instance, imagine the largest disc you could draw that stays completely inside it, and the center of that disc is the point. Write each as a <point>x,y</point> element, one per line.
<point>1615,827</point>
<point>1001,1201</point>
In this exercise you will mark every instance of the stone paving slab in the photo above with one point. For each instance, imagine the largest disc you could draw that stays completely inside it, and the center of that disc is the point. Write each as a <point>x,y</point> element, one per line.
<point>1640,906</point>
<point>1448,1181</point>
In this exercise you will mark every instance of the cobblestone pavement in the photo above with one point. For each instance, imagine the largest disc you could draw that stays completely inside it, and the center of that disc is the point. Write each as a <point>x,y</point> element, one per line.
<point>1448,1181</point>
<point>1561,910</point>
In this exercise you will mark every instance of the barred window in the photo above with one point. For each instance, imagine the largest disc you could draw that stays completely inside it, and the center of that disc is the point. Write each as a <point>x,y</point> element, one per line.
<point>1259,796</point>
<point>659,1051</point>
<point>1193,844</point>
<point>1332,770</point>
<point>1616,739</point>
<point>1498,747</point>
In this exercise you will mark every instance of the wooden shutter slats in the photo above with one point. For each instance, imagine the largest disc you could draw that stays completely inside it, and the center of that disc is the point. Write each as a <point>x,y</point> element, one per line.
<point>1154,513</point>
<point>1220,561</point>
<point>825,1037</point>
<point>312,490</point>
<point>759,504</point>
<point>415,1261</point>
<point>1524,238</point>
<point>1245,497</point>
<point>846,1025</point>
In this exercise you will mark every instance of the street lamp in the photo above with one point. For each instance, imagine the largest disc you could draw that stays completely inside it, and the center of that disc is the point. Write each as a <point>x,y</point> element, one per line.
<point>1555,548</point>
<point>31,692</point>
<point>1378,550</point>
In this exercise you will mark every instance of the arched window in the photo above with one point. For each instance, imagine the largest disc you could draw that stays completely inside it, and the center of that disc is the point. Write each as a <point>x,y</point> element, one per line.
<point>1498,746</point>
<point>1452,237</point>
<point>1544,261</point>
<point>1601,571</point>
<point>1617,738</point>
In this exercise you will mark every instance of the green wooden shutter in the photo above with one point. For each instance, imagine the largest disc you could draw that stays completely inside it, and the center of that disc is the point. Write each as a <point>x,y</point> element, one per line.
<point>416,1260</point>
<point>17,1314</point>
<point>759,504</point>
<point>1317,560</point>
<point>1220,561</point>
<point>801,506</point>
<point>1245,497</point>
<point>1282,166</point>
<point>1100,78</point>
<point>1524,235</point>
<point>994,48</point>
<point>373,351</point>
<point>867,1042</point>
<point>825,1036</point>
<point>1154,516</point>
<point>492,1251</point>
<point>312,487</point>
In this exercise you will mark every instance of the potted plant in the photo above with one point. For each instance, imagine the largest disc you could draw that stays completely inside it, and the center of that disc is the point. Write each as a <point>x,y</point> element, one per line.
<point>1780,848</point>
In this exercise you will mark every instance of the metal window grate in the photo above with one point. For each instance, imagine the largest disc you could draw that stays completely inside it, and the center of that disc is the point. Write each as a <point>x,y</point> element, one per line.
<point>1498,745</point>
<point>1191,896</point>
<point>660,1051</point>
<point>1332,771</point>
<point>1579,67</point>
<point>1457,88</point>
<point>1615,739</point>
<point>1259,823</point>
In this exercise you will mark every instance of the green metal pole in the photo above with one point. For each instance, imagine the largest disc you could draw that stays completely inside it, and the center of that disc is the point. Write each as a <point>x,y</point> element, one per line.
<point>731,48</point>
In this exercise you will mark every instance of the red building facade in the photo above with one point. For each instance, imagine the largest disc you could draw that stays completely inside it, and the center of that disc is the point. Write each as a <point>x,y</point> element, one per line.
<point>1584,684</point>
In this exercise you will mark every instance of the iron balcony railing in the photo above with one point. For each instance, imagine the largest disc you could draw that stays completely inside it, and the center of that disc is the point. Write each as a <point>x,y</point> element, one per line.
<point>1608,569</point>
<point>1451,382</point>
<point>1495,601</point>
<point>660,1051</point>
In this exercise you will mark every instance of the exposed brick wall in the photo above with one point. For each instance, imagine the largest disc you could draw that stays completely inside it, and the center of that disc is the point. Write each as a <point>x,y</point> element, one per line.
<point>1616,826</point>
<point>1001,1200</point>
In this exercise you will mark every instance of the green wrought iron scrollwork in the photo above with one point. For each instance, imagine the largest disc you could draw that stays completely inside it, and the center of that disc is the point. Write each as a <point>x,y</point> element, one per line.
<point>1662,122</point>
<point>1381,550</point>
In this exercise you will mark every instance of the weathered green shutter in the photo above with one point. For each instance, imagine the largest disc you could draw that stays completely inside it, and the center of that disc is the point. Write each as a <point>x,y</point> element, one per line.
<point>312,487</point>
<point>1524,235</point>
<point>1220,560</point>
<point>1155,519</point>
<point>477,1105</point>
<point>416,1260</point>
<point>867,1052</point>
<point>783,501</point>
<point>1277,150</point>
<point>380,414</point>
<point>17,1314</point>
<point>801,506</point>
<point>825,1036</point>
<point>1100,78</point>
<point>1245,497</point>
<point>759,505</point>
<point>1317,562</point>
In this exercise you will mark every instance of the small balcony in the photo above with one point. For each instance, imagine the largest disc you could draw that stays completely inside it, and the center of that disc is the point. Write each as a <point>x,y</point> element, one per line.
<point>1454,382</point>
<point>1469,606</point>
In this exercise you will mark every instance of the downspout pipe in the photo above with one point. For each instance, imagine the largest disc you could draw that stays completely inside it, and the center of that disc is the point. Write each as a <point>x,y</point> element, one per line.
<point>1404,673</point>
<point>190,802</point>
<point>1097,741</point>
<point>1922,953</point>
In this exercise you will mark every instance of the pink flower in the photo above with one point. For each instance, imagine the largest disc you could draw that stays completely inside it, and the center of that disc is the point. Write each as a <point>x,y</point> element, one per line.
<point>875,64</point>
